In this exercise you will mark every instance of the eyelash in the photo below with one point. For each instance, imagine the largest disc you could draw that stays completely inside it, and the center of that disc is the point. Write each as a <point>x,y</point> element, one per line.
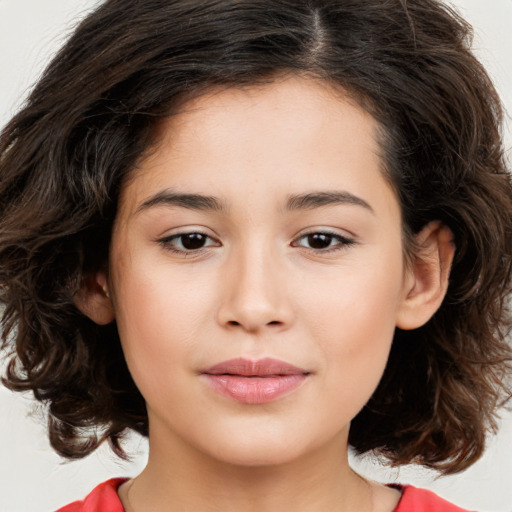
<point>343,242</point>
<point>167,242</point>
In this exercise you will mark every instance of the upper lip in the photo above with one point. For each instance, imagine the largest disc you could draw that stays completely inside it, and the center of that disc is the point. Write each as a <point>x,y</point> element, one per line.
<point>266,367</point>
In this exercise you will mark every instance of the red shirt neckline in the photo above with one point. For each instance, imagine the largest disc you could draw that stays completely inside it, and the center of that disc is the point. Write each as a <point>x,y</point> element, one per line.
<point>104,498</point>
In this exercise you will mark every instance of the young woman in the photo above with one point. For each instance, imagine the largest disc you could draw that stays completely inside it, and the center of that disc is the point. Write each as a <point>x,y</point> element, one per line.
<point>260,232</point>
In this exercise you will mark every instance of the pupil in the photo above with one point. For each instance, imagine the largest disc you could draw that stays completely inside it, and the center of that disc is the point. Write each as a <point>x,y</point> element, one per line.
<point>193,241</point>
<point>319,240</point>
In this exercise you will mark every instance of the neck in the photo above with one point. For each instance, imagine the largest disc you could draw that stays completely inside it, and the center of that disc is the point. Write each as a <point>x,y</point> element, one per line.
<point>177,478</point>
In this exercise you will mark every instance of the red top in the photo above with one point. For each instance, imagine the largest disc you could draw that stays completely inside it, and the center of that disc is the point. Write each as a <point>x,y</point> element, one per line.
<point>104,498</point>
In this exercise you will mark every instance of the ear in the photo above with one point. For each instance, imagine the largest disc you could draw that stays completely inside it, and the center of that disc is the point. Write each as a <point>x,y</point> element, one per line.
<point>426,279</point>
<point>93,299</point>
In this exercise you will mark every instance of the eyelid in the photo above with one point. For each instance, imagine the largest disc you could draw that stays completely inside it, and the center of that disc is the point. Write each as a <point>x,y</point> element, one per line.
<point>185,229</point>
<point>166,241</point>
<point>344,240</point>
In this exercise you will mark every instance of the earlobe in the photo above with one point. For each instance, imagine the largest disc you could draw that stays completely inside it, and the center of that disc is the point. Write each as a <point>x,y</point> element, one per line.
<point>93,299</point>
<point>426,282</point>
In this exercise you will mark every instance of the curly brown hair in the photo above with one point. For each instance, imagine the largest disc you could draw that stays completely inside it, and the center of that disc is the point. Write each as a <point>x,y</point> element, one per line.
<point>67,153</point>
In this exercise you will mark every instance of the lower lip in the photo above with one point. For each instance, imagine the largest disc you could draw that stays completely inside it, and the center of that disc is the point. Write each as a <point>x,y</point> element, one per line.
<point>255,390</point>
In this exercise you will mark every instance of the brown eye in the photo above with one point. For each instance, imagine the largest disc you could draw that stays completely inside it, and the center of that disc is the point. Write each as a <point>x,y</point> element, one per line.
<point>192,241</point>
<point>323,241</point>
<point>319,240</point>
<point>187,242</point>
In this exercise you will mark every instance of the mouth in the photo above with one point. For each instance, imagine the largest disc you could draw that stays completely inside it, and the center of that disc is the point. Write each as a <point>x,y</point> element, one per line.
<point>255,382</point>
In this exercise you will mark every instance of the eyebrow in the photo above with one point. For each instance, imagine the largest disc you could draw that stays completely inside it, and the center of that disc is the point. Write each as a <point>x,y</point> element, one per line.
<point>190,201</point>
<point>319,199</point>
<point>201,202</point>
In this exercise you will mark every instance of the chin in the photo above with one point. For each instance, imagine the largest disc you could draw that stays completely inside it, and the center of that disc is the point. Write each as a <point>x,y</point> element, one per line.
<point>257,448</point>
<point>257,456</point>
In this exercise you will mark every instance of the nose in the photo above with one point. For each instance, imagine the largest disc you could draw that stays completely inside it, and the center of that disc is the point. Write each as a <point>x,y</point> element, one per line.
<point>254,294</point>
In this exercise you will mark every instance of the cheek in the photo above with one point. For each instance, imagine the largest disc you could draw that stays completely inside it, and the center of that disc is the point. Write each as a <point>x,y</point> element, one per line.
<point>159,315</point>
<point>361,298</point>
<point>352,318</point>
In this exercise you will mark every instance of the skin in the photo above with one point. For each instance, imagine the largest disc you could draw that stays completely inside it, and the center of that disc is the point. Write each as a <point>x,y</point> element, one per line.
<point>257,288</point>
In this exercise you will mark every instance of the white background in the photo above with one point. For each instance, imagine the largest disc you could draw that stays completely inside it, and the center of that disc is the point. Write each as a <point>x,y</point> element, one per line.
<point>32,477</point>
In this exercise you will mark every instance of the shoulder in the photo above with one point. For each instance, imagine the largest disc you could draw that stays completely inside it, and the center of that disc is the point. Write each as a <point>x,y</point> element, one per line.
<point>103,498</point>
<point>421,500</point>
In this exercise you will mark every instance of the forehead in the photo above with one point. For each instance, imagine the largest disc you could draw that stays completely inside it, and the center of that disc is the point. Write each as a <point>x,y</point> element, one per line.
<point>292,133</point>
<point>296,107</point>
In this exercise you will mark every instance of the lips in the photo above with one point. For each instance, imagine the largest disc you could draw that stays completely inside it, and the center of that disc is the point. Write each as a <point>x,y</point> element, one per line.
<point>255,382</point>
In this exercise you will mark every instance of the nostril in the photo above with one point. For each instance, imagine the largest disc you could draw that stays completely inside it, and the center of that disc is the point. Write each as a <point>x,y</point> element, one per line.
<point>234,323</point>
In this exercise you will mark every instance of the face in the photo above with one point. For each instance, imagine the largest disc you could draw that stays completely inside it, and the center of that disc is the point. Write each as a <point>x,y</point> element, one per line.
<point>256,272</point>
